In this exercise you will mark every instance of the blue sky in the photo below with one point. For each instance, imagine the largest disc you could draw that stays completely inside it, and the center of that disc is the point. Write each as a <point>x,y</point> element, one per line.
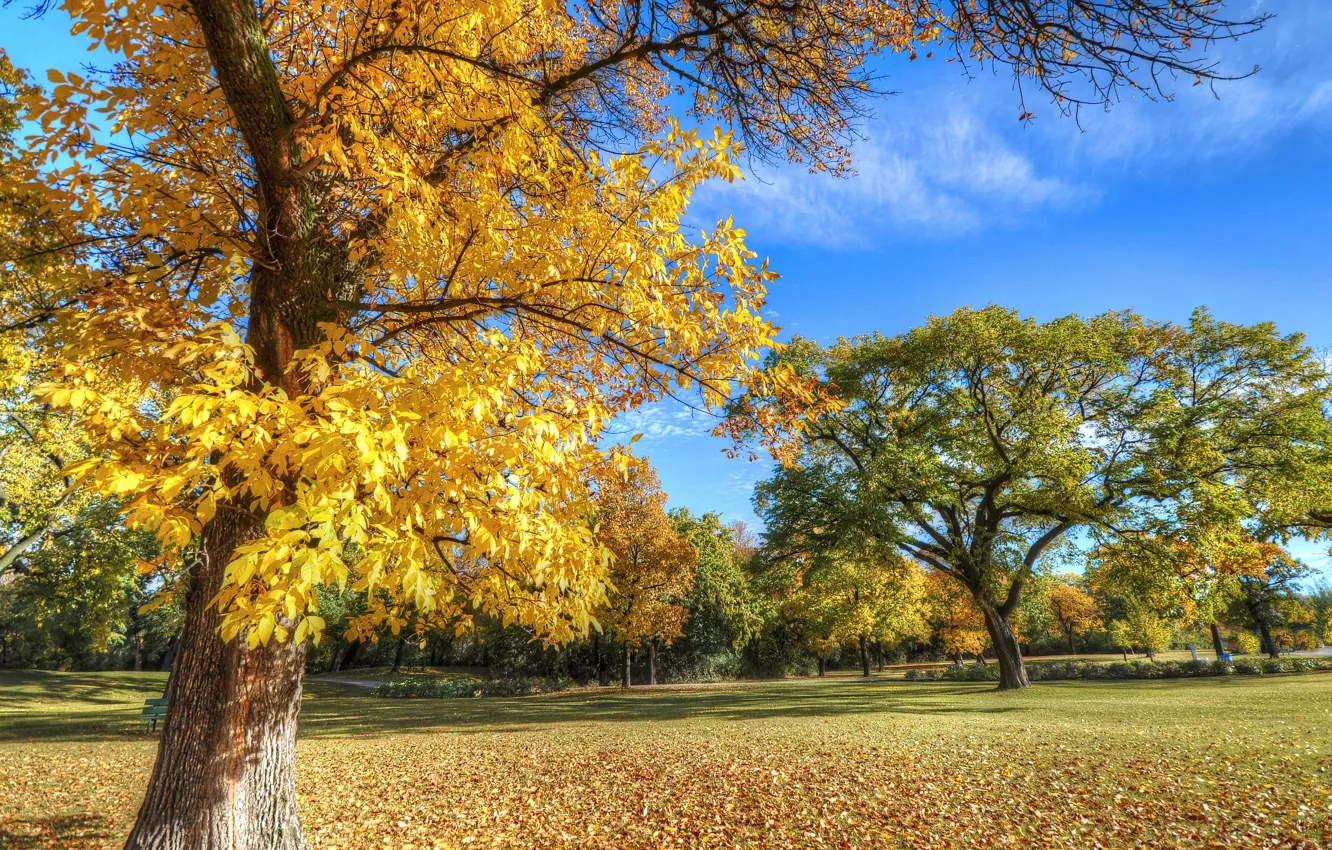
<point>1161,207</point>
<point>1157,206</point>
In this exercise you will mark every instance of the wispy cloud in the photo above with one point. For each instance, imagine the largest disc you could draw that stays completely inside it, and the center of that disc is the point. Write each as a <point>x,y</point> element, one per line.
<point>948,158</point>
<point>1290,93</point>
<point>945,175</point>
<point>664,421</point>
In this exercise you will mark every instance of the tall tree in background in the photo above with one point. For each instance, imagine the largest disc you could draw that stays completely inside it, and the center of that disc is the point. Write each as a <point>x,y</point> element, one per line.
<point>855,598</point>
<point>390,266</point>
<point>981,439</point>
<point>653,563</point>
<point>1265,600</point>
<point>724,611</point>
<point>1072,609</point>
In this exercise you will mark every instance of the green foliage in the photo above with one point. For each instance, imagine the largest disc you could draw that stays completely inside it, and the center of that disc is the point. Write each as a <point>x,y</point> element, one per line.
<point>976,442</point>
<point>1072,670</point>
<point>77,599</point>
<point>459,688</point>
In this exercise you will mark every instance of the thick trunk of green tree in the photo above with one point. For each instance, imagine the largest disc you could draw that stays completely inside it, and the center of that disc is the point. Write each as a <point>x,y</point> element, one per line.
<point>1012,671</point>
<point>225,770</point>
<point>864,657</point>
<point>1216,641</point>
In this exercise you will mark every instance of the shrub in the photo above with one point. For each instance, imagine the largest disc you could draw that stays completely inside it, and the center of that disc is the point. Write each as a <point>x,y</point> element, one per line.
<point>1245,643</point>
<point>467,688</point>
<point>1067,670</point>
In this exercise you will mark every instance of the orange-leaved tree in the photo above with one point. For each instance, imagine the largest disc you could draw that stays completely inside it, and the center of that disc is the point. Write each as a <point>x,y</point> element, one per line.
<point>652,568</point>
<point>954,618</point>
<point>1073,609</point>
<point>349,289</point>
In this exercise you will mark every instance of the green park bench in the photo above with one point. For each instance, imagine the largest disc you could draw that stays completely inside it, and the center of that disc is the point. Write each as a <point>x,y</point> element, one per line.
<point>153,711</point>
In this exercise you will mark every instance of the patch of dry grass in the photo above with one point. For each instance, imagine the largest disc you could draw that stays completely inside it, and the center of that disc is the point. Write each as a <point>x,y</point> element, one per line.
<point>843,763</point>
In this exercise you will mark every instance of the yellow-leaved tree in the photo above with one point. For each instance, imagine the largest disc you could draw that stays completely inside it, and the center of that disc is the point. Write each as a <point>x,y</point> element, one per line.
<point>347,290</point>
<point>1072,608</point>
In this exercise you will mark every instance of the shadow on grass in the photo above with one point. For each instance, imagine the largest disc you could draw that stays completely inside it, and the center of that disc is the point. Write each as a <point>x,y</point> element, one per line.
<point>70,832</point>
<point>328,715</point>
<point>44,705</point>
<point>19,688</point>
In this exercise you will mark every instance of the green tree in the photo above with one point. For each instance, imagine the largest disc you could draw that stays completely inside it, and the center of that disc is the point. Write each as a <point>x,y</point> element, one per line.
<point>78,595</point>
<point>1265,601</point>
<point>980,440</point>
<point>1320,602</point>
<point>724,613</point>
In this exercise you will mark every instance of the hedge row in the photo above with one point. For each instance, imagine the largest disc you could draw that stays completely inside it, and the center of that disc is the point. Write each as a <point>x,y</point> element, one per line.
<point>1063,670</point>
<point>465,688</point>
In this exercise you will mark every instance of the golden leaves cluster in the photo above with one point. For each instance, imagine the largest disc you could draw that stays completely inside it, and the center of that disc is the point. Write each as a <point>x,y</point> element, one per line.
<point>511,290</point>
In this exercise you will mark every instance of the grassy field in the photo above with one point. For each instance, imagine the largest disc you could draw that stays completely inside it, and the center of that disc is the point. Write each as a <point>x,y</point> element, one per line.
<point>1239,762</point>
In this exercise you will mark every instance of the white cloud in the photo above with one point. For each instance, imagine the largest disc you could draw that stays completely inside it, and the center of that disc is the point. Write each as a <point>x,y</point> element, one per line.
<point>662,421</point>
<point>947,175</point>
<point>1290,93</point>
<point>948,157</point>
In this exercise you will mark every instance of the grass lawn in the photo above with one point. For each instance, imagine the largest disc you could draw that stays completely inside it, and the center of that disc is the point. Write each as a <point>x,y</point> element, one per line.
<point>1218,763</point>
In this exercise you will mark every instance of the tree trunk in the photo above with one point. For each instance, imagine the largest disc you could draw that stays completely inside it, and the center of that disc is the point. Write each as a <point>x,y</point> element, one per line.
<point>1216,641</point>
<point>225,775</point>
<point>169,660</point>
<point>864,656</point>
<point>1268,645</point>
<point>138,652</point>
<point>627,679</point>
<point>878,654</point>
<point>397,654</point>
<point>350,656</point>
<point>596,657</point>
<point>652,661</point>
<point>1151,654</point>
<point>823,666</point>
<point>1012,672</point>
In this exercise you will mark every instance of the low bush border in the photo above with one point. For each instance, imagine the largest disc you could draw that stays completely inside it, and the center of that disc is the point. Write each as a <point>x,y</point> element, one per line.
<point>1073,670</point>
<point>469,688</point>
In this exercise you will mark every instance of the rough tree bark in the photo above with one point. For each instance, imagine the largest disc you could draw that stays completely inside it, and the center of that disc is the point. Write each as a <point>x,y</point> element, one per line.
<point>652,661</point>
<point>1012,671</point>
<point>1216,641</point>
<point>823,666</point>
<point>225,770</point>
<point>864,657</point>
<point>626,679</point>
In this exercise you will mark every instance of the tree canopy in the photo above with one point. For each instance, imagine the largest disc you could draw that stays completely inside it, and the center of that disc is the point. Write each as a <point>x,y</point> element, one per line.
<point>977,441</point>
<point>348,292</point>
